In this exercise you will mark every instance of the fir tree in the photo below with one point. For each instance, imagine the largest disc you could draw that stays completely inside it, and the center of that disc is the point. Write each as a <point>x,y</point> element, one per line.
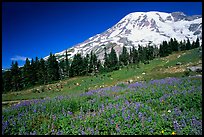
<point>188,45</point>
<point>124,57</point>
<point>106,61</point>
<point>113,60</point>
<point>67,65</point>
<point>15,76</point>
<point>197,43</point>
<point>7,78</point>
<point>27,77</point>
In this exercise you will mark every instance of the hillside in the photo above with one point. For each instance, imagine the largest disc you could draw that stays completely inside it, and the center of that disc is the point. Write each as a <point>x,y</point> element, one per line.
<point>159,98</point>
<point>156,69</point>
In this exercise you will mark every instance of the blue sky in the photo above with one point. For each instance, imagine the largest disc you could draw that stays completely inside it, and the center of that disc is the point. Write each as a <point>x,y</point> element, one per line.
<point>31,29</point>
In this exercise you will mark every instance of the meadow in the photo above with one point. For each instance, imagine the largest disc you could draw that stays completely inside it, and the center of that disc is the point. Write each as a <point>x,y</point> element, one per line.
<point>159,101</point>
<point>165,106</point>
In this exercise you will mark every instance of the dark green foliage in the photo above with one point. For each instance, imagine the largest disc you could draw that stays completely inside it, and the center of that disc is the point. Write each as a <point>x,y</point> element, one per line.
<point>7,79</point>
<point>106,61</point>
<point>76,67</point>
<point>52,68</point>
<point>67,65</point>
<point>113,60</point>
<point>27,77</point>
<point>124,57</point>
<point>42,72</point>
<point>15,76</point>
<point>86,62</point>
<point>135,56</point>
<point>188,45</point>
<point>197,43</point>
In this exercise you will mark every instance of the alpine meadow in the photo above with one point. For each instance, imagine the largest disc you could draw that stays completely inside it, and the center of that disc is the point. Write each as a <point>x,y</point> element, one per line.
<point>142,76</point>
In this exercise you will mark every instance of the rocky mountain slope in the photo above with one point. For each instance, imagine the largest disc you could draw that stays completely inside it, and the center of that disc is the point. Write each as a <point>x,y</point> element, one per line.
<point>140,28</point>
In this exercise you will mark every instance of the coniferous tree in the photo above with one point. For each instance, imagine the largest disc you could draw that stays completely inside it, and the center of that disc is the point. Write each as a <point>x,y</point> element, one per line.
<point>106,61</point>
<point>188,45</point>
<point>150,51</point>
<point>144,53</point>
<point>52,68</point>
<point>36,69</point>
<point>99,66</point>
<point>197,43</point>
<point>15,76</point>
<point>91,64</point>
<point>175,45</point>
<point>76,69</point>
<point>140,51</point>
<point>62,71</point>
<point>33,72</point>
<point>135,57</point>
<point>42,72</point>
<point>7,78</point>
<point>113,60</point>
<point>26,74</point>
<point>124,57</point>
<point>86,64</point>
<point>67,65</point>
<point>94,59</point>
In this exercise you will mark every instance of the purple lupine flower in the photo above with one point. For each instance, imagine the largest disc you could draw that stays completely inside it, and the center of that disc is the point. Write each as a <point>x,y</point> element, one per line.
<point>177,111</point>
<point>176,126</point>
<point>59,132</point>
<point>82,132</point>
<point>149,119</point>
<point>140,115</point>
<point>69,112</point>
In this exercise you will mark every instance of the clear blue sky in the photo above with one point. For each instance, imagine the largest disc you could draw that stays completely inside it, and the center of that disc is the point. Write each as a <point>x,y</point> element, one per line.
<point>35,29</point>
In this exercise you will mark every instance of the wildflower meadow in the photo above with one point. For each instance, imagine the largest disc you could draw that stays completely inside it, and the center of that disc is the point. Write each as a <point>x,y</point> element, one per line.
<point>169,106</point>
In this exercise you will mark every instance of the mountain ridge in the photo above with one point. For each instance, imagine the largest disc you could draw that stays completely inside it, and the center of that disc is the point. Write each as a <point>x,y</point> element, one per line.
<point>139,28</point>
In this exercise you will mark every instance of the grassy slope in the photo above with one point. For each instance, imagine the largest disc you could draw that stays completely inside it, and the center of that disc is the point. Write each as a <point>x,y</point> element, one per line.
<point>158,68</point>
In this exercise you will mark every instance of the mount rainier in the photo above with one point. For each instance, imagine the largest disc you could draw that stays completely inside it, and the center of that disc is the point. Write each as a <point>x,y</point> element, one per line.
<point>140,28</point>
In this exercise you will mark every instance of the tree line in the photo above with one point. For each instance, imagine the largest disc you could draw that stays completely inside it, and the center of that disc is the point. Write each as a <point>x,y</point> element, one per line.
<point>40,71</point>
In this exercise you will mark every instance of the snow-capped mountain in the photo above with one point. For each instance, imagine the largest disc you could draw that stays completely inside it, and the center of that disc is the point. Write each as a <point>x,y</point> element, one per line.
<point>140,28</point>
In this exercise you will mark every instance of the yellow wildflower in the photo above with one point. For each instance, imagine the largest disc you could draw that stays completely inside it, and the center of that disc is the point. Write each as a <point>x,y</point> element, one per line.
<point>162,131</point>
<point>173,133</point>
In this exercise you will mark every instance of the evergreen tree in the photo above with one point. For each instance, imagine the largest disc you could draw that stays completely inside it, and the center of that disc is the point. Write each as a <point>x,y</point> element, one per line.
<point>26,74</point>
<point>188,45</point>
<point>67,65</point>
<point>140,51</point>
<point>15,76</point>
<point>135,57</point>
<point>175,45</point>
<point>42,72</point>
<point>144,53</point>
<point>182,45</point>
<point>113,60</point>
<point>91,64</point>
<point>99,66</point>
<point>62,69</point>
<point>150,51</point>
<point>52,68</point>
<point>106,61</point>
<point>76,68</point>
<point>33,72</point>
<point>124,57</point>
<point>7,78</point>
<point>86,64</point>
<point>36,69</point>
<point>197,43</point>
